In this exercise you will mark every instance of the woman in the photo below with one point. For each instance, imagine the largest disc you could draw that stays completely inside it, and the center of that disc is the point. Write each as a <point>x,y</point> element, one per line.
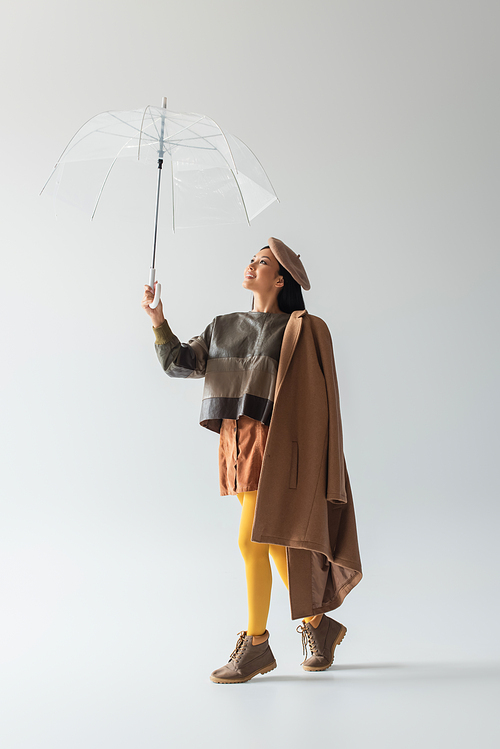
<point>299,511</point>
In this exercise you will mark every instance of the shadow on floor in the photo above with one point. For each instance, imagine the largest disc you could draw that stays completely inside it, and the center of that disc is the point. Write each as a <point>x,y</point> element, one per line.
<point>428,670</point>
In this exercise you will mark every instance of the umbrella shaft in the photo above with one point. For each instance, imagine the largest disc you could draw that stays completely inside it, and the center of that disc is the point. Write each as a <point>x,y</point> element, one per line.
<point>160,164</point>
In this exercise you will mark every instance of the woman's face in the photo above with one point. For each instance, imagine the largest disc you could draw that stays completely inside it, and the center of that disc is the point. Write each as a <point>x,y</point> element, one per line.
<point>262,273</point>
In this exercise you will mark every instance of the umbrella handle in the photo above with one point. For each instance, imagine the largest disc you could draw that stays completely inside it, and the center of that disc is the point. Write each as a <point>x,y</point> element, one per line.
<point>156,299</point>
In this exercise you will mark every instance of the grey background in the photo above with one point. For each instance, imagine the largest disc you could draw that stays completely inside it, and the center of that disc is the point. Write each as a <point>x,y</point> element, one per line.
<point>121,582</point>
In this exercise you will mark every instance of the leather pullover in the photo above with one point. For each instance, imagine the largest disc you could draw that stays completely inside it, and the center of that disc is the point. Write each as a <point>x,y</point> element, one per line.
<point>237,354</point>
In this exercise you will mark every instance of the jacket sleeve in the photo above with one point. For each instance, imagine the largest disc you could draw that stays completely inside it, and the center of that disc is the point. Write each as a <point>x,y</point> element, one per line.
<point>335,483</point>
<point>182,359</point>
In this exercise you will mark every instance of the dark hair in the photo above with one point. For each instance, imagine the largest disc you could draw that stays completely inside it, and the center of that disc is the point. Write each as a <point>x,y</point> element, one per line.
<point>290,295</point>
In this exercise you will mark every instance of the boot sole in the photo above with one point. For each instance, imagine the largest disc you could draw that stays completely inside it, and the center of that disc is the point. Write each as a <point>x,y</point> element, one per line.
<point>264,670</point>
<point>336,642</point>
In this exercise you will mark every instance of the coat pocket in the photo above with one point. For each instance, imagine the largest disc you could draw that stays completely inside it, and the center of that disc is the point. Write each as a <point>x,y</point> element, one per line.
<point>294,466</point>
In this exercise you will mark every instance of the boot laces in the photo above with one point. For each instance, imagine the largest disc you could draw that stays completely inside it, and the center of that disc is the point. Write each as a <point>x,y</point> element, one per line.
<point>308,639</point>
<point>238,651</point>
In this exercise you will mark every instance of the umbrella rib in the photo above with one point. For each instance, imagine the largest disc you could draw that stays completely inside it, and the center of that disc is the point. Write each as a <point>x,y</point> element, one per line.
<point>197,137</point>
<point>112,113</point>
<point>50,177</point>
<point>106,179</point>
<point>227,142</point>
<point>258,161</point>
<point>187,127</point>
<point>139,130</point>
<point>158,134</point>
<point>100,130</point>
<point>153,120</point>
<point>242,198</point>
<point>176,135</point>
<point>154,123</point>
<point>102,187</point>
<point>116,135</point>
<point>205,137</point>
<point>172,191</point>
<point>140,134</point>
<point>65,149</point>
<point>124,122</point>
<point>214,148</point>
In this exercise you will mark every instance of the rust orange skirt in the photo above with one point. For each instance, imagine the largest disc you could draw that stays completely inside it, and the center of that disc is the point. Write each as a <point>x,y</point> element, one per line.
<point>241,452</point>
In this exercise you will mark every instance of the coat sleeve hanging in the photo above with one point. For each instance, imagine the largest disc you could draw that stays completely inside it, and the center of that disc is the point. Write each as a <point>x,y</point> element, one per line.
<point>335,483</point>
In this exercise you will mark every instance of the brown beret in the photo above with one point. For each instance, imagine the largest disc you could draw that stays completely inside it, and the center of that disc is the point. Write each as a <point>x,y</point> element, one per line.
<point>290,261</point>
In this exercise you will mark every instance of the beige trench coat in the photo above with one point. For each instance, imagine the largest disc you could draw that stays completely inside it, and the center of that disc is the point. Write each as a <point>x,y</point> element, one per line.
<point>304,499</point>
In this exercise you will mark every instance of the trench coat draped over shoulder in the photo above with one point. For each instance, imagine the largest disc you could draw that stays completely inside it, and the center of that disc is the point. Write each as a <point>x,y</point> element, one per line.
<point>304,499</point>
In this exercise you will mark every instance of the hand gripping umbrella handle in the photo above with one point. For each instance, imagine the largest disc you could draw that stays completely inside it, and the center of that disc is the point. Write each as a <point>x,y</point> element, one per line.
<point>156,300</point>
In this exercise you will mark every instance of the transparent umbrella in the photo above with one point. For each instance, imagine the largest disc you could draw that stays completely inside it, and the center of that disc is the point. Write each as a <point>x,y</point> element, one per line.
<point>215,177</point>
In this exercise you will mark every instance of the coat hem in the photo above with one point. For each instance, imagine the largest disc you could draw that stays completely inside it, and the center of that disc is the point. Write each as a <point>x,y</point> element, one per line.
<point>333,603</point>
<point>348,563</point>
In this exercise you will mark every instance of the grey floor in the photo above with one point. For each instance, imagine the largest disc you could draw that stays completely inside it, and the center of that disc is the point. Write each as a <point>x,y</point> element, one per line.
<point>158,694</point>
<point>108,636</point>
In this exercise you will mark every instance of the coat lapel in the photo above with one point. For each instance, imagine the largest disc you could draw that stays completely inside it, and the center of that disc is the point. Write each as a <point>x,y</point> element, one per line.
<point>290,338</point>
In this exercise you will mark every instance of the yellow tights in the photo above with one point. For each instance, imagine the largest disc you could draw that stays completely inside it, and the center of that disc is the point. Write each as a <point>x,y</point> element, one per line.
<point>258,567</point>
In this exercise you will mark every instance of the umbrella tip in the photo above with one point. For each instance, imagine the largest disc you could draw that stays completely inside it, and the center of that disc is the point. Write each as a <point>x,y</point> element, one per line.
<point>164,102</point>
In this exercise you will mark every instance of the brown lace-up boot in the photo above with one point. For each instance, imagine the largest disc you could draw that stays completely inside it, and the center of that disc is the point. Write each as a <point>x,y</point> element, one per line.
<point>322,641</point>
<point>246,661</point>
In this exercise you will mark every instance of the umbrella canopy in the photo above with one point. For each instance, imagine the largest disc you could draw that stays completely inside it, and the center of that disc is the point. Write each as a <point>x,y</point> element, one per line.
<point>216,179</point>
